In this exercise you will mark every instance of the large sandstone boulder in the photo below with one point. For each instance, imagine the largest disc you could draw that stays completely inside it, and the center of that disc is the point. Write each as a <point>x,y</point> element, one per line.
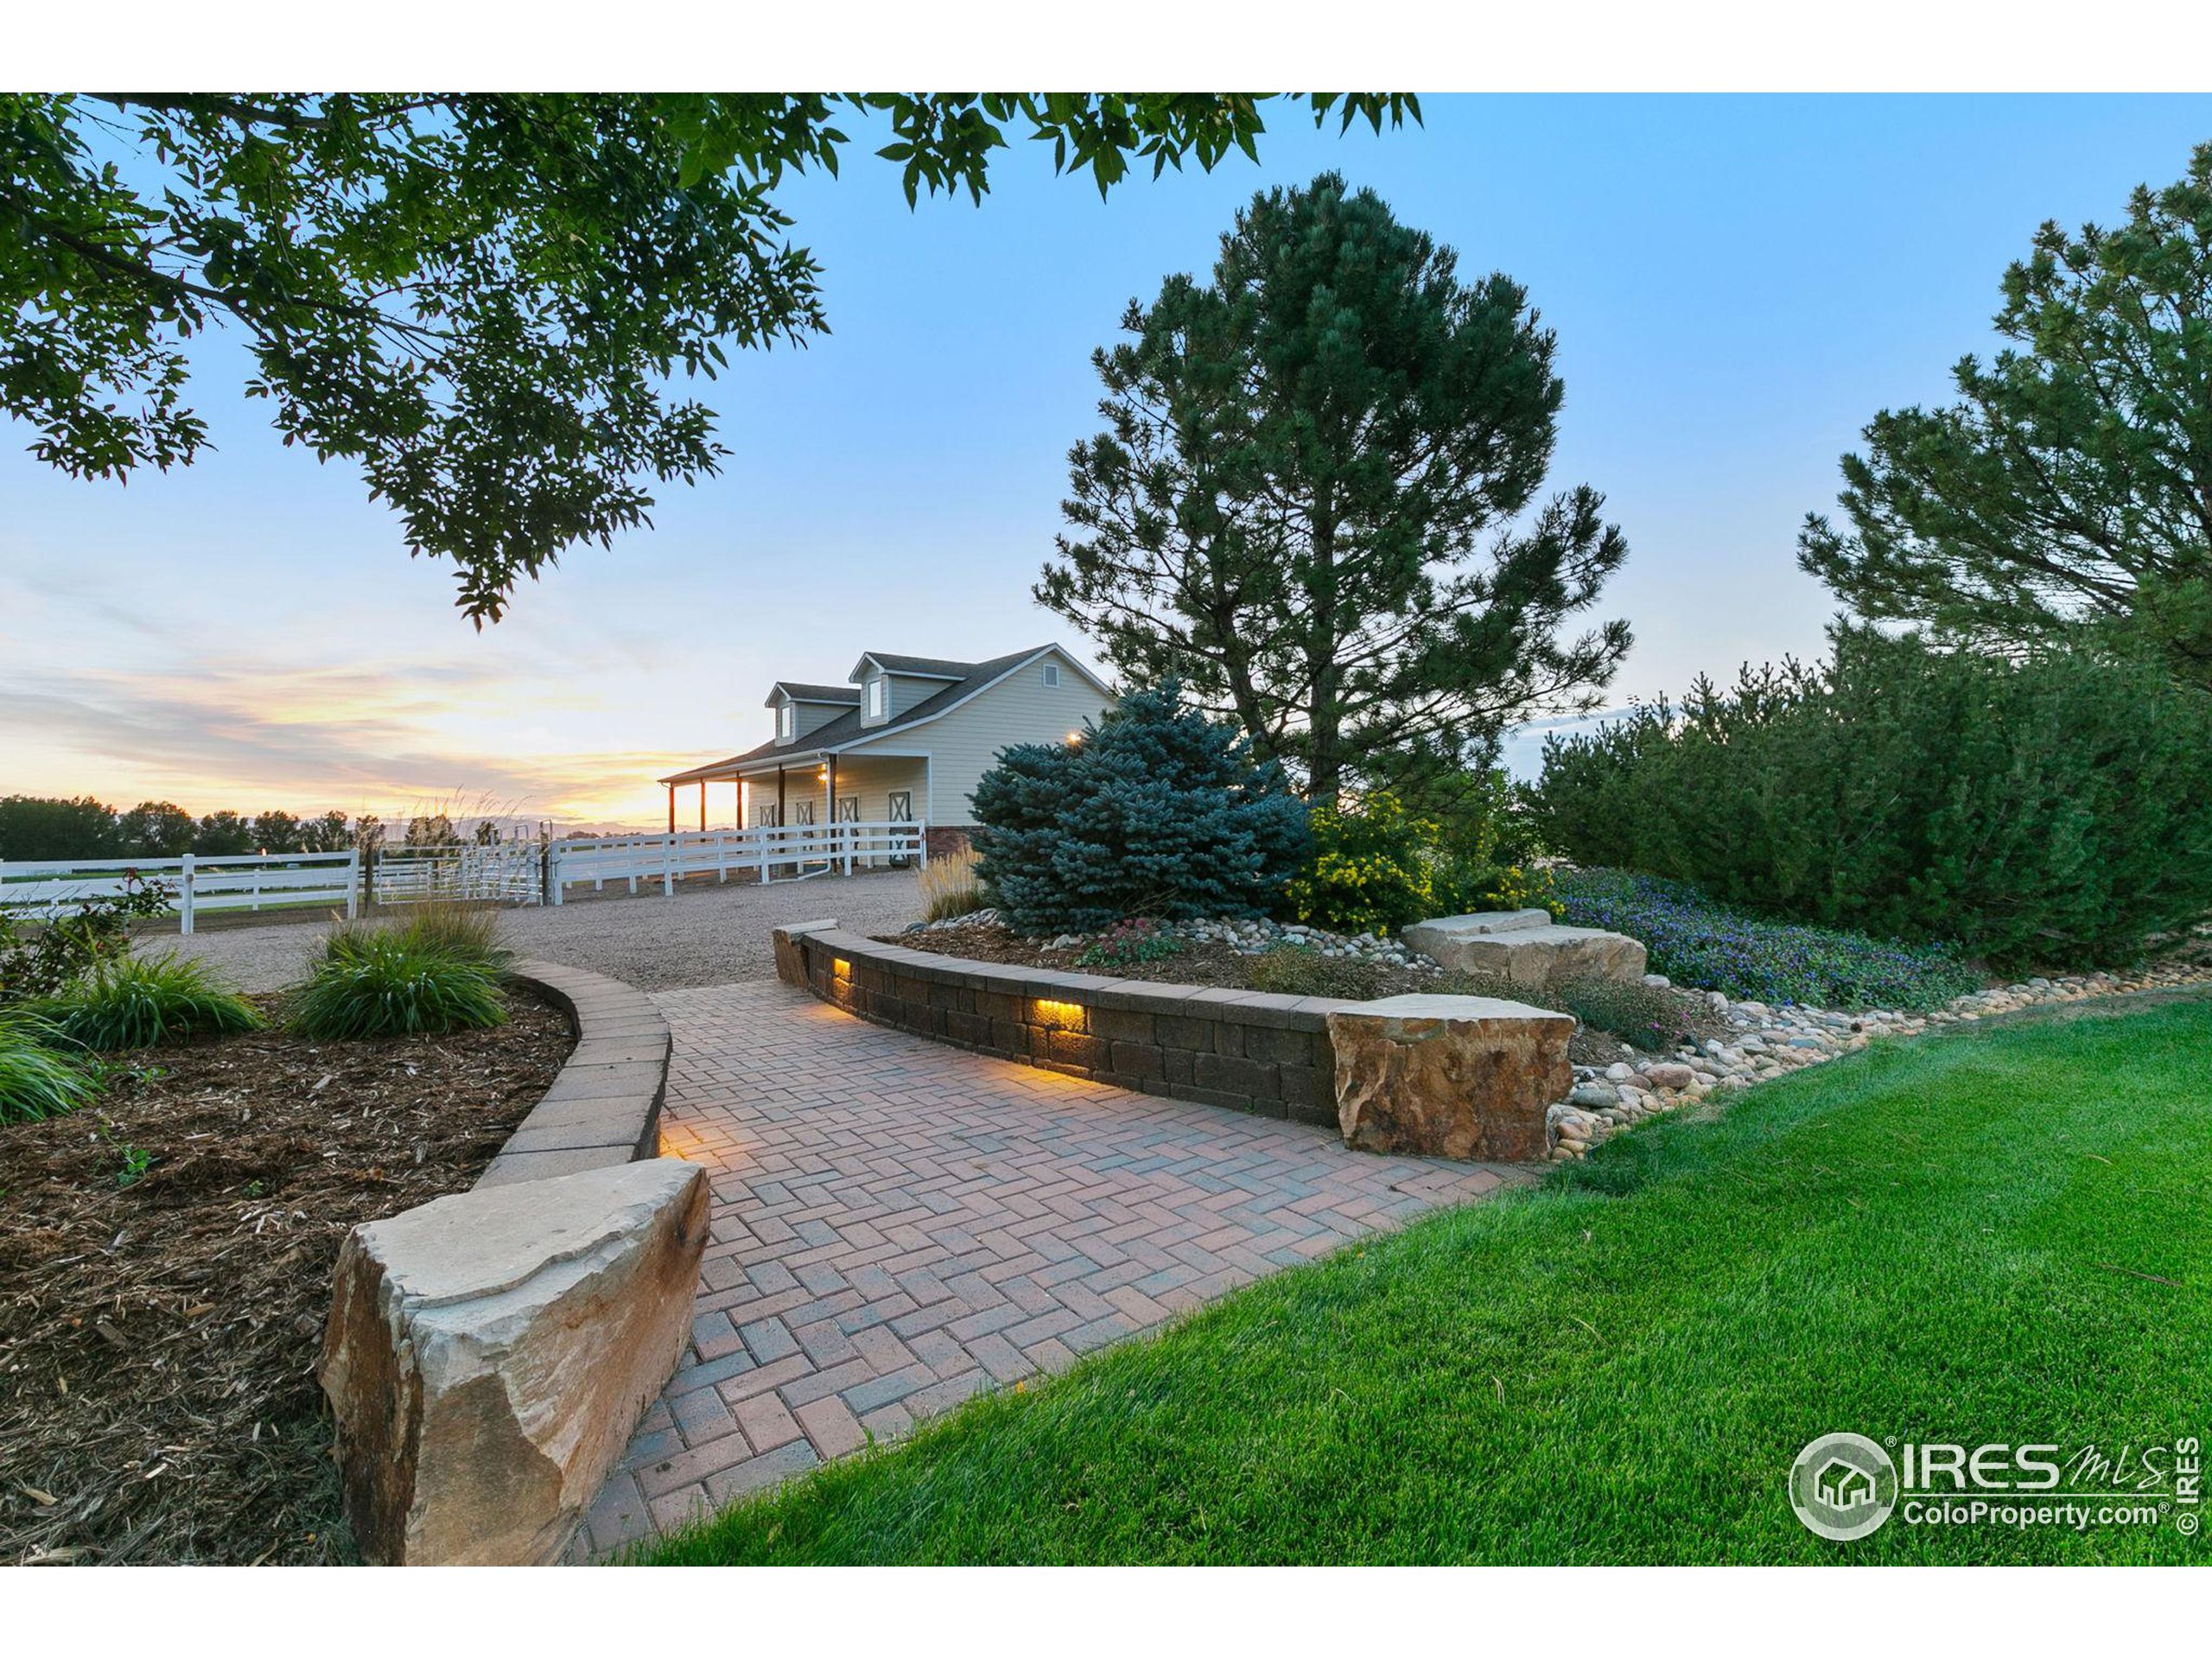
<point>1449,1077</point>
<point>1526,946</point>
<point>488,1355</point>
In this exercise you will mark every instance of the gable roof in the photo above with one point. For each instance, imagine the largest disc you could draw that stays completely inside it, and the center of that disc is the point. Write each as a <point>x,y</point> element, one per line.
<point>845,730</point>
<point>843,696</point>
<point>920,668</point>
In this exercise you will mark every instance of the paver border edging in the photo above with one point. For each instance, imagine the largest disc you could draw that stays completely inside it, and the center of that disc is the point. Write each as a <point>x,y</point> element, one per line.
<point>1250,1051</point>
<point>604,1108</point>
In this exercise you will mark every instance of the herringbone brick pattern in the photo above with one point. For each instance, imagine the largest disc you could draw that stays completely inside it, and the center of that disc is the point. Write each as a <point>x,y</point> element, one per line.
<point>897,1225</point>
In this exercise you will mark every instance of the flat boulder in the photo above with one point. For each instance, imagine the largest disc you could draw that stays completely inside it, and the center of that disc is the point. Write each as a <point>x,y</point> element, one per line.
<point>488,1355</point>
<point>1526,947</point>
<point>1449,1077</point>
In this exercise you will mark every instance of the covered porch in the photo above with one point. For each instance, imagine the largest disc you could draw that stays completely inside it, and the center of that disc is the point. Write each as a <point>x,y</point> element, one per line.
<point>805,788</point>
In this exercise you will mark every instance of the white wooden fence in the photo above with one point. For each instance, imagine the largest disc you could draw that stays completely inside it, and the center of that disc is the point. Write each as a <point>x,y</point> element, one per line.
<point>792,851</point>
<point>510,871</point>
<point>245,882</point>
<point>519,872</point>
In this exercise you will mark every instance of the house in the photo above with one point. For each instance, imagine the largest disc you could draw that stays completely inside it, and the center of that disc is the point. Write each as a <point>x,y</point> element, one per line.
<point>906,739</point>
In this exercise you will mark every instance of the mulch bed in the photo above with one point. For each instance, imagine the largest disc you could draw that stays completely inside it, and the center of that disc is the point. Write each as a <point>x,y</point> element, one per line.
<point>1215,963</point>
<point>165,1270</point>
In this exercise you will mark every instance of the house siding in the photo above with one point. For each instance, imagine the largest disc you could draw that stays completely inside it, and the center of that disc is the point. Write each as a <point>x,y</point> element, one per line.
<point>966,743</point>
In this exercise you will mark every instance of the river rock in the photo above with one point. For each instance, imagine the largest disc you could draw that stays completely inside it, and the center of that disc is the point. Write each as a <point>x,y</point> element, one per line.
<point>488,1355</point>
<point>1449,1077</point>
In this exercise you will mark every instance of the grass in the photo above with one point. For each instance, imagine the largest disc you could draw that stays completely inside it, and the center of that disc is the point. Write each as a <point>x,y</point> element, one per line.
<point>2002,1234</point>
<point>376,983</point>
<point>448,927</point>
<point>38,1078</point>
<point>1696,941</point>
<point>952,887</point>
<point>139,1001</point>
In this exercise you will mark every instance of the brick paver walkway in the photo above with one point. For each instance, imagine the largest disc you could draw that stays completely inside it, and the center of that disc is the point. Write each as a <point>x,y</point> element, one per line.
<point>897,1225</point>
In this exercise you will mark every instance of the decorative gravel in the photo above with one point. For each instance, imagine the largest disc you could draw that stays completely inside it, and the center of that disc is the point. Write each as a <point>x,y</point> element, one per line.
<point>706,933</point>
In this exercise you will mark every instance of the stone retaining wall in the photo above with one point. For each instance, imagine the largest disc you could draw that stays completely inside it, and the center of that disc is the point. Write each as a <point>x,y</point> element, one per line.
<point>1247,1049</point>
<point>489,1353</point>
<point>604,1108</point>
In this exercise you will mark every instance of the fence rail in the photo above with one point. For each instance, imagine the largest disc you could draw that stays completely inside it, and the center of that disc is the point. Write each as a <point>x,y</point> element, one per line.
<point>243,881</point>
<point>796,851</point>
<point>510,871</point>
<point>522,873</point>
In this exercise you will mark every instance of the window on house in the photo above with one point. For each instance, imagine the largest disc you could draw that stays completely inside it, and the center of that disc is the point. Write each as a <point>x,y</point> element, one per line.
<point>785,718</point>
<point>1052,673</point>
<point>804,813</point>
<point>875,699</point>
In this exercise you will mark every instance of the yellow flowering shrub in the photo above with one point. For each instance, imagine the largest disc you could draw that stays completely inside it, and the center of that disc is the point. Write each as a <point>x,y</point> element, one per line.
<point>1377,865</point>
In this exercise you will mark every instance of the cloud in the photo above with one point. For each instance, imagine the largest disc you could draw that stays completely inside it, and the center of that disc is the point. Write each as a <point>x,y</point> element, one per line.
<point>365,738</point>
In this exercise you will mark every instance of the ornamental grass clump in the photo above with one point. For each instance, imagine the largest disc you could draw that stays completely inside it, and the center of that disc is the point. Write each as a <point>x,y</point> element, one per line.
<point>456,928</point>
<point>1698,942</point>
<point>952,887</point>
<point>377,982</point>
<point>142,1001</point>
<point>39,1078</point>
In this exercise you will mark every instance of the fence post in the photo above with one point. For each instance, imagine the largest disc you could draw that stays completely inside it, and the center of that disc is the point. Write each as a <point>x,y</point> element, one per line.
<point>353,884</point>
<point>668,868</point>
<point>184,894</point>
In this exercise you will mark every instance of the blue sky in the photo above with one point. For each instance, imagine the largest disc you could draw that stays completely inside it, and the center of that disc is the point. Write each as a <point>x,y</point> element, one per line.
<point>1738,284</point>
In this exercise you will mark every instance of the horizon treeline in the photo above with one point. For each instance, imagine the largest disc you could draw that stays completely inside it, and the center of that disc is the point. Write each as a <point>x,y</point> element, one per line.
<point>52,827</point>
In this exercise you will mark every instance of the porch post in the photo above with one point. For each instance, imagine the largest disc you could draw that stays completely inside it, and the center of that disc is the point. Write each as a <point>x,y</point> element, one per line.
<point>702,803</point>
<point>671,809</point>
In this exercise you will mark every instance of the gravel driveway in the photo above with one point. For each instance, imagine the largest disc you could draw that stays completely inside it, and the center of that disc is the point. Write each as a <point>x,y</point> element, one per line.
<point>706,934</point>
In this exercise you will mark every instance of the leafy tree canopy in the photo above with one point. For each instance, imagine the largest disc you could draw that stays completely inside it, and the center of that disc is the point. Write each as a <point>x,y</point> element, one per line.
<point>2071,485</point>
<point>478,299</point>
<point>1308,501</point>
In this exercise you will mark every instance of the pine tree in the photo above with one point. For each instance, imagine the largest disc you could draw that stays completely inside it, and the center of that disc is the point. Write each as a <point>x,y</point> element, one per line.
<point>1156,811</point>
<point>1313,501</point>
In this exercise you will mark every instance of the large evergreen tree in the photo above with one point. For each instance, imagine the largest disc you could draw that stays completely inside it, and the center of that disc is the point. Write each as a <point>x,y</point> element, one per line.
<point>2071,485</point>
<point>1310,502</point>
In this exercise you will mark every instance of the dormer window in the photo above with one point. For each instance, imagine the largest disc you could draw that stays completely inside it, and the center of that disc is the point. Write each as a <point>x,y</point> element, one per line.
<point>786,723</point>
<point>1052,673</point>
<point>875,698</point>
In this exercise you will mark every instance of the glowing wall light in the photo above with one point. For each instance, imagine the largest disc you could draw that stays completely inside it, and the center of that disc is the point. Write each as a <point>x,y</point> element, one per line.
<point>1064,1016</point>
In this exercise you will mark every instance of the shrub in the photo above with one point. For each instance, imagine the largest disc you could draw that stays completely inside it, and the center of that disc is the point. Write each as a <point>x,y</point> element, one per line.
<point>372,982</point>
<point>952,887</point>
<point>138,1001</point>
<point>1698,942</point>
<point>1378,866</point>
<point>1138,939</point>
<point>2055,810</point>
<point>65,946</point>
<point>1155,811</point>
<point>1375,868</point>
<point>1650,1019</point>
<point>1300,970</point>
<point>37,1079</point>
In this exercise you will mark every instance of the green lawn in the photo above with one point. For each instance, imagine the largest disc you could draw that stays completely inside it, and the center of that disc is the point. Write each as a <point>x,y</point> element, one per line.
<point>1938,1240</point>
